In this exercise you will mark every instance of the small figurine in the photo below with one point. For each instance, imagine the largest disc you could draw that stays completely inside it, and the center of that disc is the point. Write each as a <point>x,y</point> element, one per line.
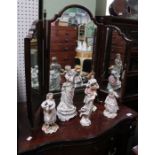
<point>89,107</point>
<point>66,110</point>
<point>84,46</point>
<point>114,79</point>
<point>79,47</point>
<point>111,106</point>
<point>34,77</point>
<point>55,75</point>
<point>49,112</point>
<point>77,79</point>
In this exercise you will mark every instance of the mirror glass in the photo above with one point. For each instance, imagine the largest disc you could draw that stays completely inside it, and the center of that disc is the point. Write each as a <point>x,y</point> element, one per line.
<point>34,64</point>
<point>113,72</point>
<point>71,45</point>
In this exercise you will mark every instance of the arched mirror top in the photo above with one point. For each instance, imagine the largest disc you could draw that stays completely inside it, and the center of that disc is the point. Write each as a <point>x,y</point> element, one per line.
<point>76,11</point>
<point>72,41</point>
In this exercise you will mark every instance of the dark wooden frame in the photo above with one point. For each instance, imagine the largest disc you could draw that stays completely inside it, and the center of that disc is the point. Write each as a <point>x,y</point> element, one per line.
<point>128,30</point>
<point>36,26</point>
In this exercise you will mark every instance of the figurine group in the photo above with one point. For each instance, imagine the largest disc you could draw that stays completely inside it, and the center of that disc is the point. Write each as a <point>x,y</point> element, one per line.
<point>55,75</point>
<point>66,110</point>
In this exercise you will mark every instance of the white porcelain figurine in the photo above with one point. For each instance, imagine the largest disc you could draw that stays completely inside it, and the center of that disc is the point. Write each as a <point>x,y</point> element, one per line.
<point>79,46</point>
<point>34,77</point>
<point>49,112</point>
<point>78,82</point>
<point>66,110</point>
<point>55,75</point>
<point>89,107</point>
<point>111,105</point>
<point>84,46</point>
<point>116,69</point>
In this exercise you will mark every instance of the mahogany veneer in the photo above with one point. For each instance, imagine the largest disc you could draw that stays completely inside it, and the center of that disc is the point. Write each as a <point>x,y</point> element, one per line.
<point>103,136</point>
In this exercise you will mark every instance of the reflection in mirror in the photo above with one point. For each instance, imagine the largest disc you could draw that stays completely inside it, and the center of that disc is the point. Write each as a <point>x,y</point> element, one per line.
<point>71,43</point>
<point>114,67</point>
<point>34,64</point>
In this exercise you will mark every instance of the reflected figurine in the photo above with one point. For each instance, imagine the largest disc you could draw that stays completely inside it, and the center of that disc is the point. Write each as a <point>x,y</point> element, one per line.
<point>111,106</point>
<point>34,77</point>
<point>89,107</point>
<point>49,112</point>
<point>114,79</point>
<point>66,110</point>
<point>55,75</point>
<point>78,82</point>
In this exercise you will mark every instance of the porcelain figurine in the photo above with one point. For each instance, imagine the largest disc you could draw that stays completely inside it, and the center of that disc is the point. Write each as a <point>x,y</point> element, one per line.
<point>79,46</point>
<point>114,78</point>
<point>78,82</point>
<point>117,67</point>
<point>89,107</point>
<point>66,110</point>
<point>84,46</point>
<point>55,75</point>
<point>49,112</point>
<point>34,77</point>
<point>113,82</point>
<point>111,106</point>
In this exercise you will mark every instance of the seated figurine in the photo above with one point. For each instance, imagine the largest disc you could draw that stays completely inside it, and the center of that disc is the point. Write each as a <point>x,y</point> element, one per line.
<point>49,112</point>
<point>89,107</point>
<point>111,106</point>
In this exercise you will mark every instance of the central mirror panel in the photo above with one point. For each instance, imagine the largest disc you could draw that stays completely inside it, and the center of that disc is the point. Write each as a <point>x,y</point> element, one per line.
<point>72,41</point>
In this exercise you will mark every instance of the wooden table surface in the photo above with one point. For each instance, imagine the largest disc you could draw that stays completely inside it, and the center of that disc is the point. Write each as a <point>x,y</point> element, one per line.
<point>71,130</point>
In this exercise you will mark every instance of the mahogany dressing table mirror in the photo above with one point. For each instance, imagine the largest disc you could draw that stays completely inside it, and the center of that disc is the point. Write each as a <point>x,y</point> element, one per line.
<point>67,39</point>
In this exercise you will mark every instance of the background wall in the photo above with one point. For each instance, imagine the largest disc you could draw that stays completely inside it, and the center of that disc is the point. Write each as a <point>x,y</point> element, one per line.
<point>54,6</point>
<point>101,7</point>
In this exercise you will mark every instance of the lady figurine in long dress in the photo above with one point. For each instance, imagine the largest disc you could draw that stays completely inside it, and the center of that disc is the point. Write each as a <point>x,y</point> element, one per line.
<point>55,75</point>
<point>49,112</point>
<point>89,107</point>
<point>111,105</point>
<point>66,110</point>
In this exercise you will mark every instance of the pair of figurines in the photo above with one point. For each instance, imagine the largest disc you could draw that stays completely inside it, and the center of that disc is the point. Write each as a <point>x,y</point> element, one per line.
<point>65,110</point>
<point>115,74</point>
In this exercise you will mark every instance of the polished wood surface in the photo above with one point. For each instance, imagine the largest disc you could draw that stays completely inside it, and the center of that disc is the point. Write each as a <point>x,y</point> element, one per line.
<point>72,131</point>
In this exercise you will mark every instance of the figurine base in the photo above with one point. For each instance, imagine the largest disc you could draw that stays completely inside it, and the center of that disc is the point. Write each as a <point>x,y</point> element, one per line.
<point>109,115</point>
<point>65,113</point>
<point>49,129</point>
<point>85,121</point>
